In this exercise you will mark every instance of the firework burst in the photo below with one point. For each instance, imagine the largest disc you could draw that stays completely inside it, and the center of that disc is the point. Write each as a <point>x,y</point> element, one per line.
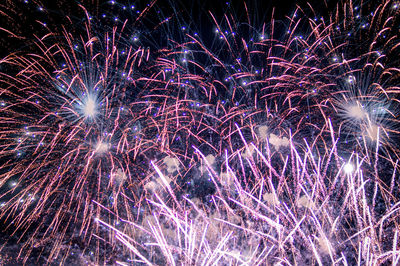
<point>140,140</point>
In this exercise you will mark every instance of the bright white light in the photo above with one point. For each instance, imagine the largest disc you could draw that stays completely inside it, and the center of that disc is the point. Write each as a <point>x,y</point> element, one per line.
<point>102,147</point>
<point>351,79</point>
<point>348,168</point>
<point>89,108</point>
<point>356,111</point>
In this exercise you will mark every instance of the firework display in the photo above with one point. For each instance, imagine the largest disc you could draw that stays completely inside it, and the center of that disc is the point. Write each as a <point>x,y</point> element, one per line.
<point>138,134</point>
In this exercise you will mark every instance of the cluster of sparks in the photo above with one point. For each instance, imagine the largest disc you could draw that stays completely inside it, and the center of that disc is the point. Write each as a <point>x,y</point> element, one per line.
<point>275,143</point>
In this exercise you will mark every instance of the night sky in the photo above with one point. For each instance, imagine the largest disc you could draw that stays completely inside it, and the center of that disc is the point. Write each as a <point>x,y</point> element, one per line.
<point>23,18</point>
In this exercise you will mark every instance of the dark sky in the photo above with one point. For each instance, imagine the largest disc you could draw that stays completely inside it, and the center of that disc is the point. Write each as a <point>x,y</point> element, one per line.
<point>22,17</point>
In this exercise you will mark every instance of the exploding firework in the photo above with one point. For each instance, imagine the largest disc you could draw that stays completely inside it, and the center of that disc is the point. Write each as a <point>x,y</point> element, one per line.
<point>140,138</point>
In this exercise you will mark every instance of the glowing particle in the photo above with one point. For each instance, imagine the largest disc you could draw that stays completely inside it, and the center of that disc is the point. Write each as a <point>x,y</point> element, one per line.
<point>248,152</point>
<point>270,199</point>
<point>210,159</point>
<point>351,79</point>
<point>118,177</point>
<point>262,132</point>
<point>172,164</point>
<point>278,142</point>
<point>305,202</point>
<point>348,168</point>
